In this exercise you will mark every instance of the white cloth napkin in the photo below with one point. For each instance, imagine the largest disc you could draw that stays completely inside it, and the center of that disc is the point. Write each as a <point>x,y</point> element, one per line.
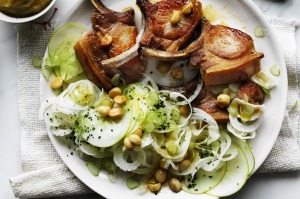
<point>45,175</point>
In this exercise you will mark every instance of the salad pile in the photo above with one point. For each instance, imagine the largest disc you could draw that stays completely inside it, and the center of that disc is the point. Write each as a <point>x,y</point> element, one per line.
<point>155,131</point>
<point>154,135</point>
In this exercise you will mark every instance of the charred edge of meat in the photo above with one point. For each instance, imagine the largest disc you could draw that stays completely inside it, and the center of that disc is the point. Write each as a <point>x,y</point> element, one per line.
<point>85,49</point>
<point>124,17</point>
<point>150,53</point>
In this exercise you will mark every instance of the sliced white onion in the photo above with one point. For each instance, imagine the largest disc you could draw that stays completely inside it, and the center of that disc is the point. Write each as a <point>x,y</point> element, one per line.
<point>213,132</point>
<point>182,148</point>
<point>225,143</point>
<point>196,164</point>
<point>121,158</point>
<point>259,109</point>
<point>146,140</point>
<point>202,115</point>
<point>263,80</point>
<point>44,106</point>
<point>239,134</point>
<point>61,132</point>
<point>64,100</point>
<point>247,128</point>
<point>147,80</point>
<point>230,153</point>
<point>174,96</point>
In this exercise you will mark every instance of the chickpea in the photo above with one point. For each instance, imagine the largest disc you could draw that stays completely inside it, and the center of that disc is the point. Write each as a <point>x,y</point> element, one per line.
<point>184,110</point>
<point>163,67</point>
<point>152,181</point>
<point>128,145</point>
<point>135,139</point>
<point>115,113</point>
<point>103,110</point>
<point>114,92</point>
<point>184,164</point>
<point>153,185</point>
<point>160,175</point>
<point>162,164</point>
<point>57,82</point>
<point>175,185</point>
<point>177,73</point>
<point>139,132</point>
<point>188,8</point>
<point>175,18</point>
<point>223,100</point>
<point>106,40</point>
<point>120,99</point>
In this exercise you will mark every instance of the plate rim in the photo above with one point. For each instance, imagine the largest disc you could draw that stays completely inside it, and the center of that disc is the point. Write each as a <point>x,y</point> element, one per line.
<point>256,12</point>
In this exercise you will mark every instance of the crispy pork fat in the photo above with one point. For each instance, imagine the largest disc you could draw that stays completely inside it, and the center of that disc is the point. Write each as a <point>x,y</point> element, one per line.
<point>226,55</point>
<point>90,51</point>
<point>160,34</point>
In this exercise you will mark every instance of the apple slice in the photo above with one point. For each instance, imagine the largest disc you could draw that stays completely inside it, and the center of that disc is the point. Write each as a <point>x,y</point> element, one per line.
<point>248,153</point>
<point>235,176</point>
<point>109,132</point>
<point>203,181</point>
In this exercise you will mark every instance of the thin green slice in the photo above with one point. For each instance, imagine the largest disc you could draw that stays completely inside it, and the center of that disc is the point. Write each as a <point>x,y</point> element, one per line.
<point>132,183</point>
<point>248,153</point>
<point>46,72</point>
<point>275,70</point>
<point>64,67</point>
<point>295,104</point>
<point>93,168</point>
<point>37,61</point>
<point>64,55</point>
<point>259,31</point>
<point>64,32</point>
<point>69,43</point>
<point>235,176</point>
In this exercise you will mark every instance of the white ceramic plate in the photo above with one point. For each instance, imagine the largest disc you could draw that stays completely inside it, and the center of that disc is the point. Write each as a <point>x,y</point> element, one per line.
<point>240,14</point>
<point>10,19</point>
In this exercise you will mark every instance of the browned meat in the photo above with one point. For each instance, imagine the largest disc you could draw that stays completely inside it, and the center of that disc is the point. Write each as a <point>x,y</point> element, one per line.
<point>226,55</point>
<point>160,33</point>
<point>208,103</point>
<point>120,26</point>
<point>252,90</point>
<point>86,49</point>
<point>90,52</point>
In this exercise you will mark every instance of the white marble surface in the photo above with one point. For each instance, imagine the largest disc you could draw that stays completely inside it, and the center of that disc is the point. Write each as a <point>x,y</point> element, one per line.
<point>275,186</point>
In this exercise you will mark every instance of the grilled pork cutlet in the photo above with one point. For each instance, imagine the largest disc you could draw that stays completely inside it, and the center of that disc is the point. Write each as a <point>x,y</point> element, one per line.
<point>160,33</point>
<point>226,55</point>
<point>91,50</point>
